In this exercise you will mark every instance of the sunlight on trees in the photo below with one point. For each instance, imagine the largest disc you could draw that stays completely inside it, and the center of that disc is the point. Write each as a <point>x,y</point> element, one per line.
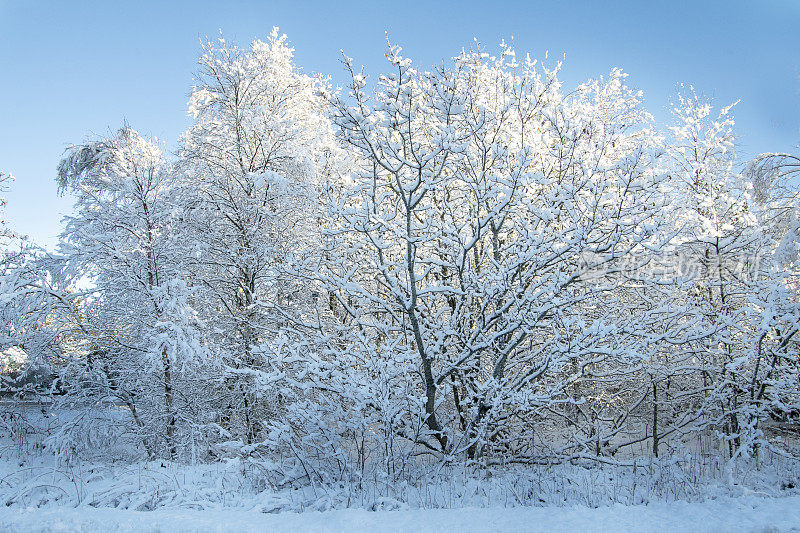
<point>471,264</point>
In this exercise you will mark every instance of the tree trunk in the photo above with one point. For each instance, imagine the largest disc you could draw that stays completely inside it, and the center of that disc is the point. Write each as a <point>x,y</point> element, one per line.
<point>169,404</point>
<point>655,419</point>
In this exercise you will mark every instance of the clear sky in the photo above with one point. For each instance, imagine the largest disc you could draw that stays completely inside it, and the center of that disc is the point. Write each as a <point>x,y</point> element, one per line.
<point>73,69</point>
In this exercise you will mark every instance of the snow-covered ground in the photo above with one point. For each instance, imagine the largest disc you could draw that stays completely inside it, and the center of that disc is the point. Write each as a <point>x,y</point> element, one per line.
<point>101,491</point>
<point>750,514</point>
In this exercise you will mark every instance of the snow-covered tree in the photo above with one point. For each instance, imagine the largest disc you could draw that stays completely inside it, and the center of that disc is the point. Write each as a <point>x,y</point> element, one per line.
<point>260,150</point>
<point>5,232</point>
<point>482,234</point>
<point>30,300</point>
<point>123,242</point>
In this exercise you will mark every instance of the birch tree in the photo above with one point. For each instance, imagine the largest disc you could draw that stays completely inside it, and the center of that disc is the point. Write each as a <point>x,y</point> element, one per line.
<point>255,159</point>
<point>122,241</point>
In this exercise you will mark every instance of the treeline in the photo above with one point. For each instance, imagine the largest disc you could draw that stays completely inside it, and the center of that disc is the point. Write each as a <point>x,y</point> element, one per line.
<point>471,263</point>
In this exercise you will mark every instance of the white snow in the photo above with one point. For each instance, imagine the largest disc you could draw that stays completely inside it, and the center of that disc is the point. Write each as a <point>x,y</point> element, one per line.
<point>750,514</point>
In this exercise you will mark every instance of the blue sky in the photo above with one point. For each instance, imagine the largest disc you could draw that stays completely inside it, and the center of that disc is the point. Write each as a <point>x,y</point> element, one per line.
<point>70,70</point>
